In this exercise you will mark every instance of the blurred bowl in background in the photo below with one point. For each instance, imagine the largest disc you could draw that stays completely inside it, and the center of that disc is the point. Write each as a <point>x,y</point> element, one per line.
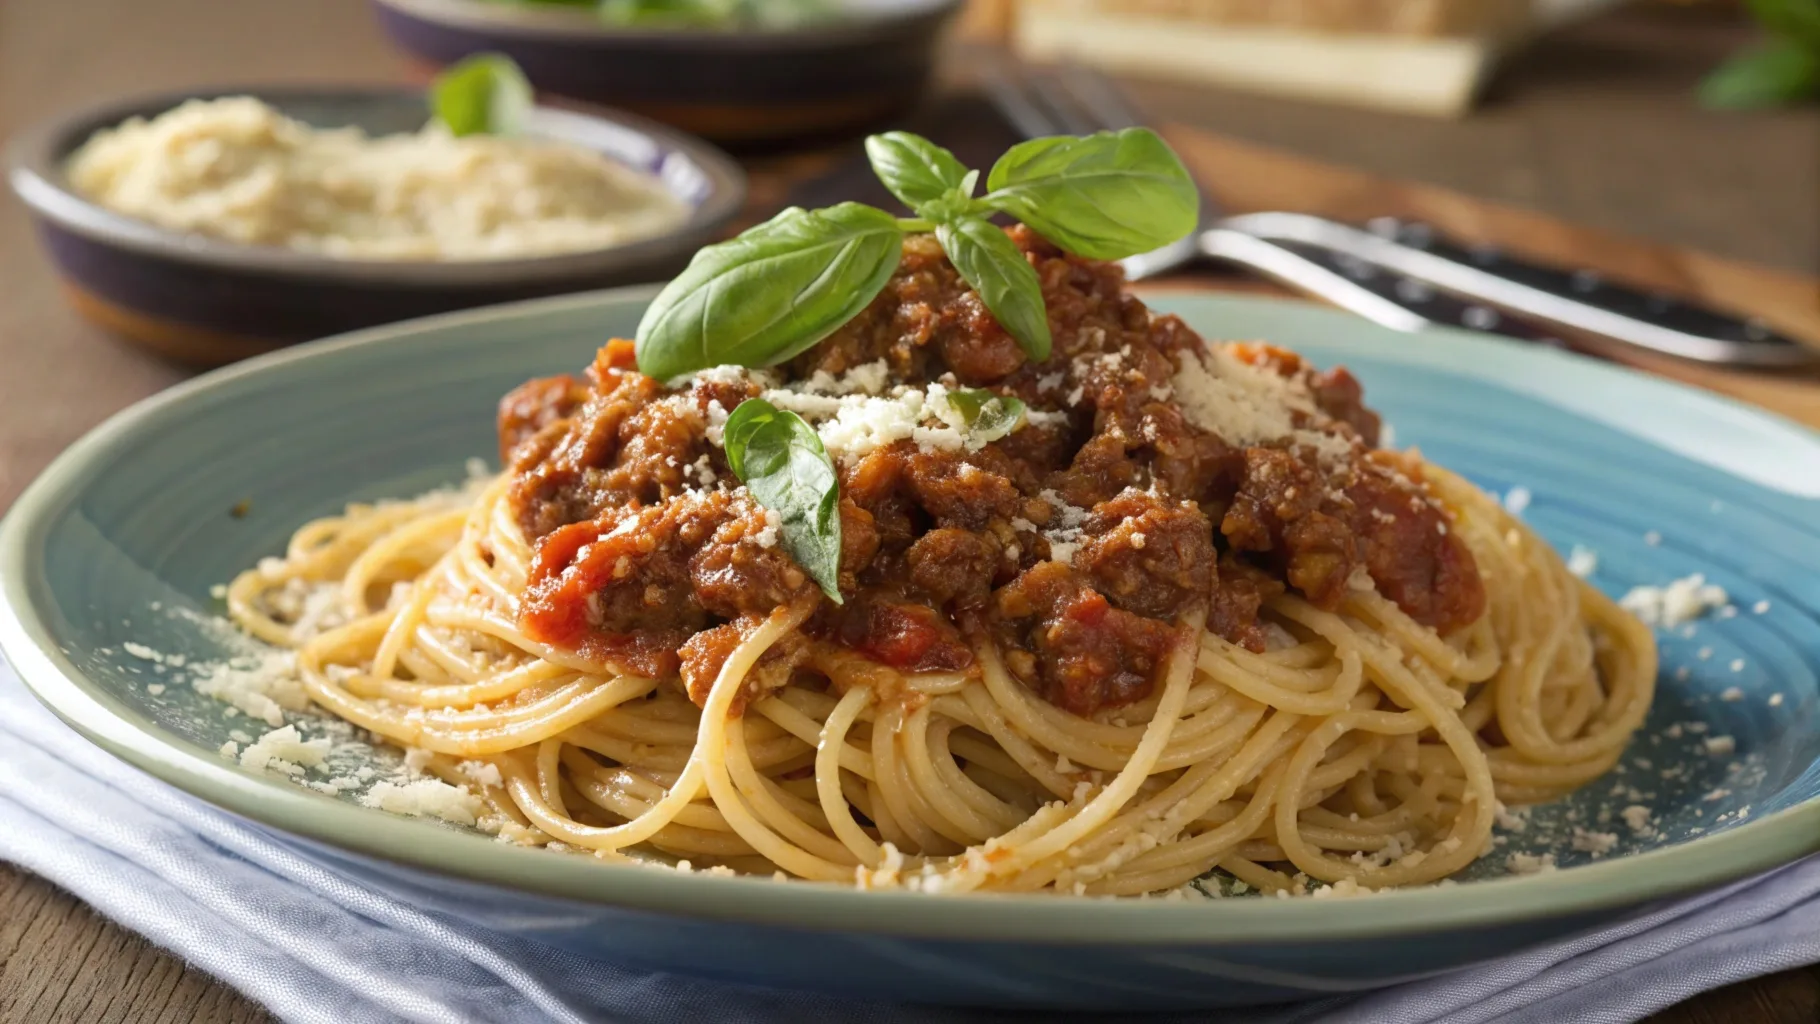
<point>852,68</point>
<point>204,300</point>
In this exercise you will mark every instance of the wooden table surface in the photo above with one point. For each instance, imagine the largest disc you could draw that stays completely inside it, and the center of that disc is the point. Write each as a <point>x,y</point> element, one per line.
<point>1588,143</point>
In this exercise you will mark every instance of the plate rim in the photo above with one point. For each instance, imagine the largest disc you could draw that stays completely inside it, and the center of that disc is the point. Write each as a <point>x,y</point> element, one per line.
<point>27,644</point>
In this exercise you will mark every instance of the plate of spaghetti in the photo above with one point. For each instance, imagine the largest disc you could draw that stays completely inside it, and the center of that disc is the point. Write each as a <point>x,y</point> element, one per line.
<point>897,605</point>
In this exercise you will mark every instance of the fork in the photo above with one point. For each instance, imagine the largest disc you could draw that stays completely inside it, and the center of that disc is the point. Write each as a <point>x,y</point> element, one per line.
<point>1395,273</point>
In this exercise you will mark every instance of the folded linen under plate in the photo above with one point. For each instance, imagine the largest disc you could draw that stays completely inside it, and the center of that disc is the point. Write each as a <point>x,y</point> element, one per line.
<point>313,947</point>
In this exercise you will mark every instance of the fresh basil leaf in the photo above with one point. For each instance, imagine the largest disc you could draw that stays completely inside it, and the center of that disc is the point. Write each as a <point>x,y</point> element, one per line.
<point>772,292</point>
<point>1105,196</point>
<point>916,170</point>
<point>988,416</point>
<point>783,464</point>
<point>706,14</point>
<point>483,94</point>
<point>1796,20</point>
<point>1002,278</point>
<point>1779,73</point>
<point>951,205</point>
<point>685,13</point>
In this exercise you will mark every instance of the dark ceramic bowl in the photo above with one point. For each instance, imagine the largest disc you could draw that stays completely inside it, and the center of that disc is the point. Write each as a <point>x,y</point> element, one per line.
<point>746,86</point>
<point>205,300</point>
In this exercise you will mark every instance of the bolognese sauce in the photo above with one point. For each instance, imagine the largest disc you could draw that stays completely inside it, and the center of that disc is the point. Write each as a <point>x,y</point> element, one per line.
<point>1132,495</point>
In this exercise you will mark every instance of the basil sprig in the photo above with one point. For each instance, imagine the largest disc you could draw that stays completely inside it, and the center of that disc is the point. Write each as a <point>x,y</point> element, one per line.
<point>776,290</point>
<point>485,94</point>
<point>783,464</point>
<point>782,286</point>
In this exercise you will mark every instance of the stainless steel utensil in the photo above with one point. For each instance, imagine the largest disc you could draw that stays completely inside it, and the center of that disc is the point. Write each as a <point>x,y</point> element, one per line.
<point>1397,273</point>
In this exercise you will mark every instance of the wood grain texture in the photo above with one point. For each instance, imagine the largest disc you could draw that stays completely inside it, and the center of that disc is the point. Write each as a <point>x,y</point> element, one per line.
<point>1595,126</point>
<point>1589,130</point>
<point>61,962</point>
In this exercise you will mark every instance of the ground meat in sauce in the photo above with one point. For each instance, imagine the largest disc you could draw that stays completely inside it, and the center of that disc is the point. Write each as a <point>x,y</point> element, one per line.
<point>705,653</point>
<point>532,407</point>
<point>632,585</point>
<point>648,556</point>
<point>1084,653</point>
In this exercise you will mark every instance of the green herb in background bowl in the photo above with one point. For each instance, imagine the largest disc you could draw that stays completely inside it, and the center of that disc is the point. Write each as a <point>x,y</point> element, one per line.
<point>709,14</point>
<point>774,291</point>
<point>485,94</point>
<point>1784,70</point>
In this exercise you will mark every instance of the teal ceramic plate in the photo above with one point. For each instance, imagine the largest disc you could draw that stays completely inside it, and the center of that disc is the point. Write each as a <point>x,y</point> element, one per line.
<point>122,538</point>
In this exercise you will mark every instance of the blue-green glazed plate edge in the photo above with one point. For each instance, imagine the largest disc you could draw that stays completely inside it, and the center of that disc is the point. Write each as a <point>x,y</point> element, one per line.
<point>1697,864</point>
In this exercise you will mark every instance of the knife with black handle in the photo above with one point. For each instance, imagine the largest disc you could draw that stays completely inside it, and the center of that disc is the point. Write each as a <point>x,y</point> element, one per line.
<point>1490,290</point>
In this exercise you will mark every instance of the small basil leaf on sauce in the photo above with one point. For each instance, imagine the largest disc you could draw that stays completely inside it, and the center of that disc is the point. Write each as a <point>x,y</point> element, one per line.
<point>1105,196</point>
<point>988,416</point>
<point>916,170</point>
<point>484,94</point>
<point>1003,279</point>
<point>783,464</point>
<point>772,292</point>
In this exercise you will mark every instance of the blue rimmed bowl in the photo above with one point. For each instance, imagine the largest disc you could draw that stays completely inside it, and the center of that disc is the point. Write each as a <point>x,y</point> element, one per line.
<point>205,300</point>
<point>121,539</point>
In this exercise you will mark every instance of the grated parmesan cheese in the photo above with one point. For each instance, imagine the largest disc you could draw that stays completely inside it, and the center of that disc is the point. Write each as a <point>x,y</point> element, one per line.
<point>767,537</point>
<point>1511,819</point>
<point>1596,843</point>
<point>1582,561</point>
<point>1681,601</point>
<point>1246,405</point>
<point>1345,888</point>
<point>426,798</point>
<point>1065,536</point>
<point>1636,818</point>
<point>1529,863</point>
<point>142,652</point>
<point>484,773</point>
<point>285,751</point>
<point>263,685</point>
<point>859,411</point>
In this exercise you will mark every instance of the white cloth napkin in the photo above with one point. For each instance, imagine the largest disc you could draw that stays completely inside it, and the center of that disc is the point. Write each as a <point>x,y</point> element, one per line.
<point>313,947</point>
